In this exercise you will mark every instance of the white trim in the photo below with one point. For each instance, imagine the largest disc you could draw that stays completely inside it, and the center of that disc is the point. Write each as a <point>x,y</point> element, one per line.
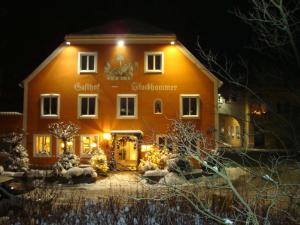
<point>79,70</point>
<point>216,111</point>
<point>42,97</point>
<point>191,57</point>
<point>146,70</point>
<point>35,155</point>
<point>81,149</point>
<point>161,106</point>
<point>57,146</point>
<point>135,97</point>
<point>126,132</point>
<point>197,96</point>
<point>79,116</point>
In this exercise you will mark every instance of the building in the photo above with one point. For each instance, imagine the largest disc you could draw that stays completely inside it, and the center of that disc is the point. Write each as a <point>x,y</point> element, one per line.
<point>121,83</point>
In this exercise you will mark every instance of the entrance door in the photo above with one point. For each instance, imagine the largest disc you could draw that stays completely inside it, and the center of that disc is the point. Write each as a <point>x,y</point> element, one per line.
<point>126,152</point>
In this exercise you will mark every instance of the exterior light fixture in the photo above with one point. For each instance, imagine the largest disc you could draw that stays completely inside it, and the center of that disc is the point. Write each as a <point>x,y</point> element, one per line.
<point>68,43</point>
<point>120,43</point>
<point>106,136</point>
<point>172,42</point>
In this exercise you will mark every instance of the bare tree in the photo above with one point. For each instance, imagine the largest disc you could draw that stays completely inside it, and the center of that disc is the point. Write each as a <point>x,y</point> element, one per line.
<point>64,131</point>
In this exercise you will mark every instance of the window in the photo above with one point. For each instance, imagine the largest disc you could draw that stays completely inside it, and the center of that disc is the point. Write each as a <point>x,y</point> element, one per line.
<point>127,106</point>
<point>154,62</point>
<point>88,145</point>
<point>70,146</point>
<point>42,145</point>
<point>157,106</point>
<point>189,106</point>
<point>232,131</point>
<point>50,105</point>
<point>88,105</point>
<point>163,141</point>
<point>87,62</point>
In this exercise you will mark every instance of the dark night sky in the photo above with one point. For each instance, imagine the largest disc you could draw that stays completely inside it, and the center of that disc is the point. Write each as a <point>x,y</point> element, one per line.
<point>30,34</point>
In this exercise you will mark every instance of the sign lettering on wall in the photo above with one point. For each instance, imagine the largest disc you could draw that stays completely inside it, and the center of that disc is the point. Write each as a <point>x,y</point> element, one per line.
<point>135,86</point>
<point>86,87</point>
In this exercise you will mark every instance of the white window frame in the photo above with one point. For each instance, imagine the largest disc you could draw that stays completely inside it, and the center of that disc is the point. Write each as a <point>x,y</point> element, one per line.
<point>146,70</point>
<point>35,155</point>
<point>135,96</point>
<point>57,146</point>
<point>161,105</point>
<point>80,96</point>
<point>95,54</point>
<point>43,96</point>
<point>83,155</point>
<point>197,96</point>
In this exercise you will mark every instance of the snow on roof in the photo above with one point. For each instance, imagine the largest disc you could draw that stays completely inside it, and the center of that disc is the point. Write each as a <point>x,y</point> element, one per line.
<point>10,114</point>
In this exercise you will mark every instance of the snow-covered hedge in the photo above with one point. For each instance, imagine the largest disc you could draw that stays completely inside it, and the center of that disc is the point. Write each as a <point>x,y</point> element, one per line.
<point>77,172</point>
<point>67,161</point>
<point>178,163</point>
<point>1,170</point>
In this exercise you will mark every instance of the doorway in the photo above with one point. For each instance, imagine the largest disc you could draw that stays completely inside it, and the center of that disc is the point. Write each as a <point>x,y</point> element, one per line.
<point>126,152</point>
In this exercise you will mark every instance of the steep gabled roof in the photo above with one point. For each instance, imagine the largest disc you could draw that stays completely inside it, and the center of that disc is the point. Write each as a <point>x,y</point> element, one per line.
<point>126,26</point>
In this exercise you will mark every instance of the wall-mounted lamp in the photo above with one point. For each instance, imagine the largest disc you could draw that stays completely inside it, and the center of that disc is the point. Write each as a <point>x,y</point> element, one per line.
<point>172,42</point>
<point>68,43</point>
<point>120,43</point>
<point>106,136</point>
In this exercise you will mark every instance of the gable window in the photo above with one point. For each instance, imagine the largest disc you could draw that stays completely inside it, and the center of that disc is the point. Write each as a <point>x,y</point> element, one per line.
<point>189,106</point>
<point>70,146</point>
<point>88,145</point>
<point>50,105</point>
<point>42,145</point>
<point>88,105</point>
<point>127,106</point>
<point>154,62</point>
<point>157,106</point>
<point>87,62</point>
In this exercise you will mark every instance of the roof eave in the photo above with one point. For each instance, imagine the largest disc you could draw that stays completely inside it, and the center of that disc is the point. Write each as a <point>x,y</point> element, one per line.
<point>128,38</point>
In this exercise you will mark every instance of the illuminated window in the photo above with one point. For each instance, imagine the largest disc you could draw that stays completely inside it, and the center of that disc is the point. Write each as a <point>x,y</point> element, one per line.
<point>88,145</point>
<point>189,105</point>
<point>154,62</point>
<point>232,131</point>
<point>87,62</point>
<point>50,105</point>
<point>42,145</point>
<point>157,106</point>
<point>88,105</point>
<point>70,146</point>
<point>127,106</point>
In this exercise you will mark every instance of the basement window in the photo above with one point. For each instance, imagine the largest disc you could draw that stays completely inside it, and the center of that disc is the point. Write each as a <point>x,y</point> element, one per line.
<point>87,62</point>
<point>88,145</point>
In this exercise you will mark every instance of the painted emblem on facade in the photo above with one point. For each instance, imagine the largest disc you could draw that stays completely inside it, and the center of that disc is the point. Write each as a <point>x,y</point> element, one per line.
<point>119,69</point>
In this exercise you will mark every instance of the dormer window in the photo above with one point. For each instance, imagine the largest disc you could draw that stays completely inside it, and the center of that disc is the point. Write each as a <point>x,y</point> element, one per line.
<point>154,62</point>
<point>87,62</point>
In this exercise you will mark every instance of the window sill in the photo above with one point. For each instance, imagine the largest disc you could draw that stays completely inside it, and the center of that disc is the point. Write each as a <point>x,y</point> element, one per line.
<point>159,72</point>
<point>50,116</point>
<point>88,117</point>
<point>87,72</point>
<point>126,117</point>
<point>190,117</point>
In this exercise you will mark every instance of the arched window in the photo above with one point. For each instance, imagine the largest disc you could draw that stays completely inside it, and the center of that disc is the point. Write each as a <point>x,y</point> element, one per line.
<point>157,106</point>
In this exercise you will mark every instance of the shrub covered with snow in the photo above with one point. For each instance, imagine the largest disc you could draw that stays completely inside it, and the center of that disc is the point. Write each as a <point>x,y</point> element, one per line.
<point>154,159</point>
<point>66,161</point>
<point>17,154</point>
<point>178,163</point>
<point>173,179</point>
<point>77,172</point>
<point>99,162</point>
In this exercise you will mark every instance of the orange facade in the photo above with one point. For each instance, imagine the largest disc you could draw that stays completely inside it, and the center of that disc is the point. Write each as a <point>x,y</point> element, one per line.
<point>59,75</point>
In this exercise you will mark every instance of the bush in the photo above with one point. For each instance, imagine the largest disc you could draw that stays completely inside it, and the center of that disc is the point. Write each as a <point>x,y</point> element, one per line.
<point>154,159</point>
<point>67,160</point>
<point>99,163</point>
<point>177,163</point>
